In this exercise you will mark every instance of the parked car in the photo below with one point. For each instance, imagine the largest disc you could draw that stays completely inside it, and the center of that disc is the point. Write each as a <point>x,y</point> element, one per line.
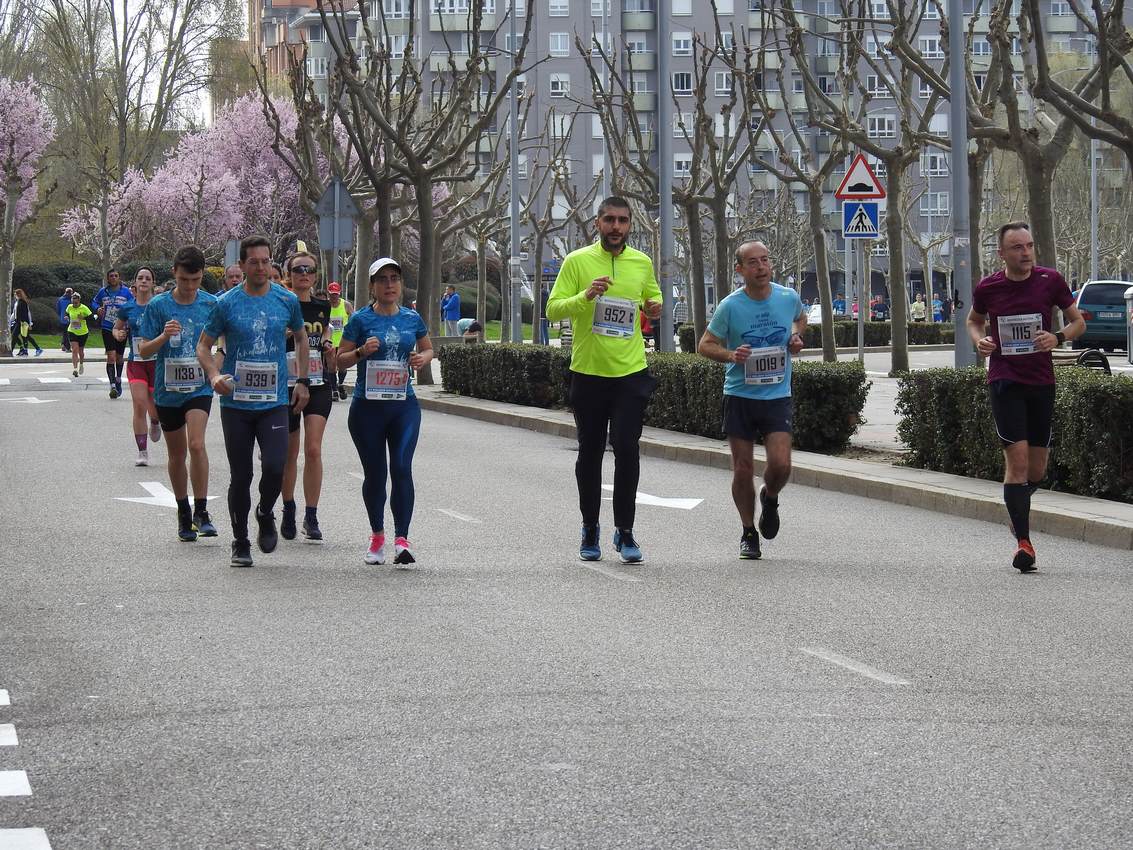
<point>1102,303</point>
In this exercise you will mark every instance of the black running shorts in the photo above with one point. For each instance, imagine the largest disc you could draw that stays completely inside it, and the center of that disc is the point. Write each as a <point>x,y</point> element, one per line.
<point>748,418</point>
<point>1022,412</point>
<point>319,403</point>
<point>173,418</point>
<point>112,345</point>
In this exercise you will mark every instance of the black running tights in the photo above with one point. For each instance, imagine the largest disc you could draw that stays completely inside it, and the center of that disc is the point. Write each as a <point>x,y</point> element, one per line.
<point>242,430</point>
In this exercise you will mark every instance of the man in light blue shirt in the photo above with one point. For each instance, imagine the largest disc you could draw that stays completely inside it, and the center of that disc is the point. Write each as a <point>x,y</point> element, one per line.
<point>755,330</point>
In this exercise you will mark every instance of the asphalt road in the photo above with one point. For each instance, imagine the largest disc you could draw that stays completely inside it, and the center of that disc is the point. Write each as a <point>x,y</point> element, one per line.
<point>882,678</point>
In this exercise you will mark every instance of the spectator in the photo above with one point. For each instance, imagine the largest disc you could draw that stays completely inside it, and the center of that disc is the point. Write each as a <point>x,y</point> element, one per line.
<point>233,276</point>
<point>473,331</point>
<point>839,304</point>
<point>61,311</point>
<point>680,311</point>
<point>22,314</point>
<point>937,309</point>
<point>918,308</point>
<point>544,325</point>
<point>450,310</point>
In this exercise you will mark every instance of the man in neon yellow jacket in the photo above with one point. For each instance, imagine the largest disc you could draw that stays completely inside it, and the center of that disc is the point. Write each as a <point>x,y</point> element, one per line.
<point>602,289</point>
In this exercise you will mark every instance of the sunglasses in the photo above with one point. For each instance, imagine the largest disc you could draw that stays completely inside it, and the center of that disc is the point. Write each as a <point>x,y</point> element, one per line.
<point>303,269</point>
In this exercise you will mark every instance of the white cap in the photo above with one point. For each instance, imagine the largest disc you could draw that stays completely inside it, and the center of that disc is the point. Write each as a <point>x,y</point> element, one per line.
<point>381,263</point>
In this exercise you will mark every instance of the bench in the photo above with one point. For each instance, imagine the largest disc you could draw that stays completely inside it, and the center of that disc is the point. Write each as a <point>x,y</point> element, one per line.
<point>1091,358</point>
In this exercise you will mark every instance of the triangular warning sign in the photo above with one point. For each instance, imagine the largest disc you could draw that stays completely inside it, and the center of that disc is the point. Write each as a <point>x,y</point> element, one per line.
<point>860,183</point>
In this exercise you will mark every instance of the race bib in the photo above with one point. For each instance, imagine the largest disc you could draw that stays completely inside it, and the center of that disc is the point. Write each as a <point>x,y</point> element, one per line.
<point>111,314</point>
<point>614,317</point>
<point>183,374</point>
<point>134,344</point>
<point>1017,333</point>
<point>335,324</point>
<point>256,380</point>
<point>76,325</point>
<point>386,380</point>
<point>766,366</point>
<point>314,368</point>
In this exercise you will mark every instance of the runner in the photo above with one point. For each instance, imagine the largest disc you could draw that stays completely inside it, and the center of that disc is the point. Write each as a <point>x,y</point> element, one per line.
<point>380,339</point>
<point>139,369</point>
<point>254,318</point>
<point>302,268</point>
<point>105,304</point>
<point>752,330</point>
<point>340,312</point>
<point>170,328</point>
<point>600,288</point>
<point>1018,300</point>
<point>77,330</point>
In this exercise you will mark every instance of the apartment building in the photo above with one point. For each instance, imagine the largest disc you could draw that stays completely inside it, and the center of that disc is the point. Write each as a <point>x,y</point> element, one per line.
<point>557,84</point>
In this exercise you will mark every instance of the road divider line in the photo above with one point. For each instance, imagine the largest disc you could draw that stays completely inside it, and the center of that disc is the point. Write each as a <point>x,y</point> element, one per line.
<point>24,839</point>
<point>856,666</point>
<point>357,475</point>
<point>461,517</point>
<point>614,574</point>
<point>54,380</point>
<point>5,382</point>
<point>8,735</point>
<point>4,697</point>
<point>14,783</point>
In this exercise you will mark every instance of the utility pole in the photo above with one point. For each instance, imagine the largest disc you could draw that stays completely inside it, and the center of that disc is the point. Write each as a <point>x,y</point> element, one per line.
<point>664,132</point>
<point>965,354</point>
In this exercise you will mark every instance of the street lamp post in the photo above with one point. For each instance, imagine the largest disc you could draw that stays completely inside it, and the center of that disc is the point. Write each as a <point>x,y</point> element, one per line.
<point>514,264</point>
<point>964,353</point>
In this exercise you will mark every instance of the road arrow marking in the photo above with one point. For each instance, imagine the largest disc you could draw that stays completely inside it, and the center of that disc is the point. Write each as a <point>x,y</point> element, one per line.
<point>24,839</point>
<point>659,501</point>
<point>30,400</point>
<point>159,496</point>
<point>14,783</point>
<point>4,699</point>
<point>8,735</point>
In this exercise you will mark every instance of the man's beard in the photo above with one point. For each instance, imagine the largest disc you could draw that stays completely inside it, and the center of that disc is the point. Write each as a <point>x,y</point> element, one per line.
<point>608,246</point>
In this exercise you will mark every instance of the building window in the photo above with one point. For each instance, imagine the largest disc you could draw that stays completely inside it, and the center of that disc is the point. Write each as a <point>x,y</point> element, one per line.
<point>931,13</point>
<point>560,126</point>
<point>723,82</point>
<point>881,127</point>
<point>639,82</point>
<point>395,9</point>
<point>684,118</point>
<point>933,164</point>
<point>596,10</point>
<point>828,84</point>
<point>934,203</point>
<point>682,44</point>
<point>930,47</point>
<point>638,6</point>
<point>873,46</point>
<point>727,42</point>
<point>981,46</point>
<point>1061,9</point>
<point>560,44</point>
<point>560,85</point>
<point>316,34</point>
<point>878,87</point>
<point>635,43</point>
<point>682,83</point>
<point>681,7</point>
<point>597,164</point>
<point>521,166</point>
<point>316,66</point>
<point>559,8</point>
<point>797,83</point>
<point>980,81</point>
<point>924,90</point>
<point>682,165</point>
<point>397,45</point>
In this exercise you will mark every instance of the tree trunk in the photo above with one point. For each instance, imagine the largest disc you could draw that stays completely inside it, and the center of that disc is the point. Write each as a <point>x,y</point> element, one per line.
<point>977,178</point>
<point>894,230</point>
<point>7,263</point>
<point>481,279</point>
<point>696,270</point>
<point>1038,173</point>
<point>505,302</point>
<point>822,270</point>
<point>363,248</point>
<point>428,267</point>
<point>384,218</point>
<point>724,260</point>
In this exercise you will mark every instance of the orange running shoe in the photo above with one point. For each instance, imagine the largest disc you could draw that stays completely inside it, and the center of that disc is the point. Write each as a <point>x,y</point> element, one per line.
<point>1024,560</point>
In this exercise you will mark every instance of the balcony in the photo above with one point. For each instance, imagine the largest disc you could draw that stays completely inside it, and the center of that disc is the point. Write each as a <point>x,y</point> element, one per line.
<point>1061,24</point>
<point>644,101</point>
<point>774,100</point>
<point>395,26</point>
<point>983,23</point>
<point>764,19</point>
<point>826,64</point>
<point>646,61</point>
<point>647,142</point>
<point>1112,178</point>
<point>826,26</point>
<point>639,21</point>
<point>771,60</point>
<point>439,61</point>
<point>824,144</point>
<point>460,23</point>
<point>797,102</point>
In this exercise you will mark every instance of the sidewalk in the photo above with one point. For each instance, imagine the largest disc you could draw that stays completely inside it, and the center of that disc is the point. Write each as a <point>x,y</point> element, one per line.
<point>1097,521</point>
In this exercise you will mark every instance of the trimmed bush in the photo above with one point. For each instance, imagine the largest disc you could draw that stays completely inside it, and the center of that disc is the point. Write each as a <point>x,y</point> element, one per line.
<point>686,335</point>
<point>880,333</point>
<point>947,426</point>
<point>829,397</point>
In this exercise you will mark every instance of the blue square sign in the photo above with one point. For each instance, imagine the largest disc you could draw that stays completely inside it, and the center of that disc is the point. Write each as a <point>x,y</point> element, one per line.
<point>860,220</point>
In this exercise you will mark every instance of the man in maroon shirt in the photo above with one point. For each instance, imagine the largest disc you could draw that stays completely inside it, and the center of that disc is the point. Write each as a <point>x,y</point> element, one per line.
<point>1019,301</point>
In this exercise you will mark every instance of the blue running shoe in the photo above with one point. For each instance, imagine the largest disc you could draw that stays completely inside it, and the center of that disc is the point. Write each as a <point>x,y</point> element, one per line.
<point>186,530</point>
<point>203,522</point>
<point>287,525</point>
<point>627,547</point>
<point>589,549</point>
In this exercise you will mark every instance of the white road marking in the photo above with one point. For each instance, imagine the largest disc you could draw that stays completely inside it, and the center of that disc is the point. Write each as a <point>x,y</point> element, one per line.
<point>5,382</point>
<point>606,571</point>
<point>461,517</point>
<point>660,501</point>
<point>856,666</point>
<point>30,400</point>
<point>4,697</point>
<point>159,496</point>
<point>357,475</point>
<point>14,783</point>
<point>55,380</point>
<point>24,839</point>
<point>8,735</point>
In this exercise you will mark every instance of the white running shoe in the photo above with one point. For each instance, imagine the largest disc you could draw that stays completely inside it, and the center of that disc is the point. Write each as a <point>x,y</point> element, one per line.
<point>376,554</point>
<point>81,368</point>
<point>143,458</point>
<point>401,553</point>
<point>154,431</point>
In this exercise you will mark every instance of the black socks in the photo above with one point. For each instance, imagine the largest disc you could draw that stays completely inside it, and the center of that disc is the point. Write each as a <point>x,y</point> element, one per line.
<point>1017,497</point>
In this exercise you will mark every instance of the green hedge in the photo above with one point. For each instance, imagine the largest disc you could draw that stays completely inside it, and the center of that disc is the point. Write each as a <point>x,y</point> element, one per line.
<point>829,397</point>
<point>880,333</point>
<point>947,426</point>
<point>686,336</point>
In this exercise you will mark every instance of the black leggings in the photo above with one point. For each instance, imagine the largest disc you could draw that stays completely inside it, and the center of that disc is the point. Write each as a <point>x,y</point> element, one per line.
<point>619,405</point>
<point>242,430</point>
<point>25,339</point>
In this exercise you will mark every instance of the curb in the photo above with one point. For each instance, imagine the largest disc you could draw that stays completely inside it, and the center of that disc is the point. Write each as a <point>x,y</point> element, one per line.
<point>1096,521</point>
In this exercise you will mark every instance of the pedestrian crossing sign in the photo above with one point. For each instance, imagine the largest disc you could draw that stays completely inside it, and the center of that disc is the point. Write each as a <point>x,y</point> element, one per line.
<point>860,220</point>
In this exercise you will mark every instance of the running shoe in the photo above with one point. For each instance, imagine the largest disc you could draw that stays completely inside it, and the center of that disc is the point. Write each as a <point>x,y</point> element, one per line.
<point>154,431</point>
<point>23,352</point>
<point>311,530</point>
<point>768,515</point>
<point>749,546</point>
<point>241,553</point>
<point>203,522</point>
<point>143,458</point>
<point>376,554</point>
<point>75,373</point>
<point>590,549</point>
<point>81,365</point>
<point>39,352</point>
<point>342,393</point>
<point>627,547</point>
<point>266,539</point>
<point>401,553</point>
<point>287,523</point>
<point>186,530</point>
<point>114,391</point>
<point>1024,560</point>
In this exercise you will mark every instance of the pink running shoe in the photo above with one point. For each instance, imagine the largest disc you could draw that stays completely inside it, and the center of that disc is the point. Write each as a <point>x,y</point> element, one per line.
<point>376,553</point>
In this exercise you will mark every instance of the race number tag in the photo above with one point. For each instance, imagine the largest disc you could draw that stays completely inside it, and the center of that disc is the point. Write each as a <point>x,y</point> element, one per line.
<point>255,381</point>
<point>1017,333</point>
<point>135,343</point>
<point>766,366</point>
<point>183,374</point>
<point>76,325</point>
<point>314,368</point>
<point>614,317</point>
<point>111,314</point>
<point>335,324</point>
<point>386,380</point>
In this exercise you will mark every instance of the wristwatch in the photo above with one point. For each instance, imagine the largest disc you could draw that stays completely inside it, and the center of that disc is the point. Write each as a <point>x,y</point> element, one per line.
<point>1060,336</point>
<point>304,381</point>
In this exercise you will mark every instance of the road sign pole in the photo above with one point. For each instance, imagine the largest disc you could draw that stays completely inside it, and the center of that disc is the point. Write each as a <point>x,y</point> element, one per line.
<point>863,299</point>
<point>334,249</point>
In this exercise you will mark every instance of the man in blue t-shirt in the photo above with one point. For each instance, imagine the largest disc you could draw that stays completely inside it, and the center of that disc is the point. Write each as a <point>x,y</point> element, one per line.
<point>105,304</point>
<point>755,330</point>
<point>61,311</point>
<point>254,319</point>
<point>450,310</point>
